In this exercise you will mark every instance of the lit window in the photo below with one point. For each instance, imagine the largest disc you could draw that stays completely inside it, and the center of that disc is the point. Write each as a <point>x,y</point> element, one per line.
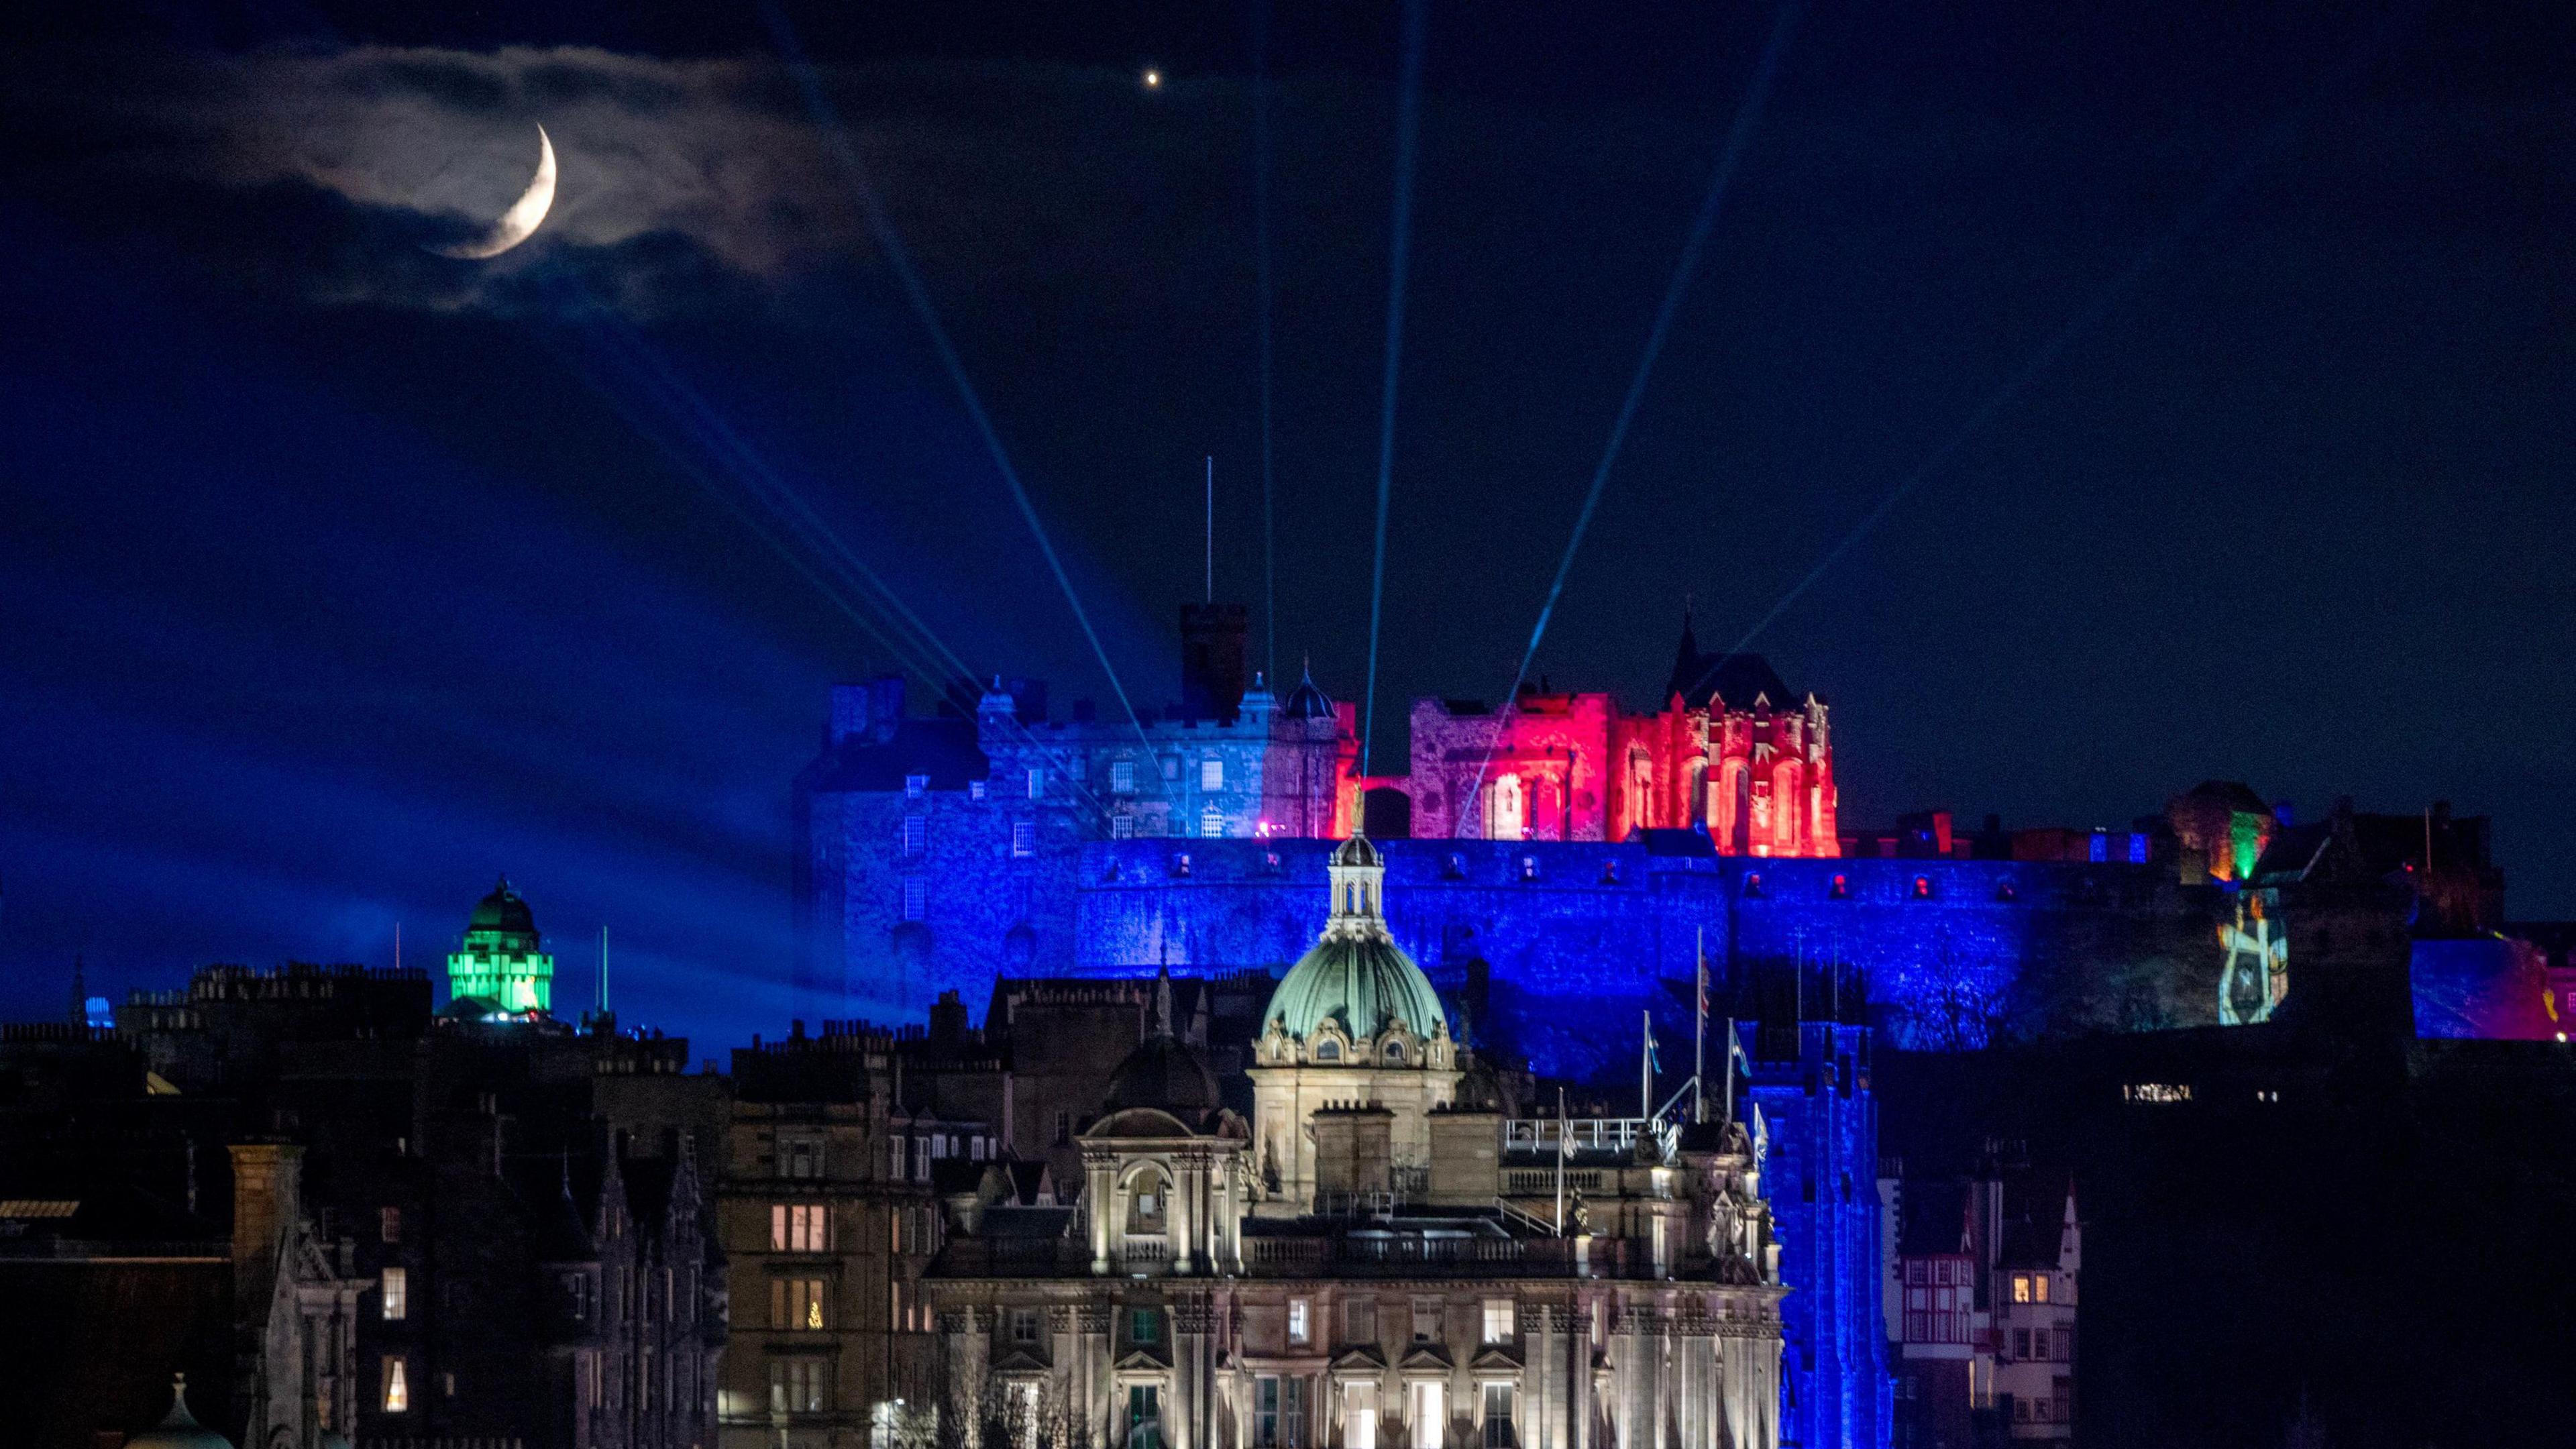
<point>1498,1320</point>
<point>1211,773</point>
<point>397,1386</point>
<point>916,834</point>
<point>1430,1414</point>
<point>1037,783</point>
<point>1122,777</point>
<point>1359,1415</point>
<point>796,1228</point>
<point>389,1225</point>
<point>397,1293</point>
<point>1212,825</point>
<point>914,786</point>
<point>2021,1288</point>
<point>1122,827</point>
<point>916,898</point>
<point>1426,1320</point>
<point>2039,1287</point>
<point>2138,847</point>
<point>1024,839</point>
<point>447,1384</point>
<point>1299,1329</point>
<point>2098,848</point>
<point>975,789</point>
<point>796,1303</point>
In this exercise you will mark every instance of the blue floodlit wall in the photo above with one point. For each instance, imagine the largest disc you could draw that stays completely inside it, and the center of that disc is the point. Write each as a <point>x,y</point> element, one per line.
<point>1562,943</point>
<point>1821,1174</point>
<point>2487,988</point>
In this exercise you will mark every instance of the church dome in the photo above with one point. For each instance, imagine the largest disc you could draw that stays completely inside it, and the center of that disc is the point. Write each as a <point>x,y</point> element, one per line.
<point>1357,851</point>
<point>503,910</point>
<point>1162,1072</point>
<point>179,1429</point>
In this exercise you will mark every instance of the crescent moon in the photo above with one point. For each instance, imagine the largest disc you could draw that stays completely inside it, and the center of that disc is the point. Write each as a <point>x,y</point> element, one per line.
<point>520,221</point>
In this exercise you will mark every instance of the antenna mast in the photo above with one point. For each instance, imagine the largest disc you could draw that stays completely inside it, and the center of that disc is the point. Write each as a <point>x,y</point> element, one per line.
<point>1211,528</point>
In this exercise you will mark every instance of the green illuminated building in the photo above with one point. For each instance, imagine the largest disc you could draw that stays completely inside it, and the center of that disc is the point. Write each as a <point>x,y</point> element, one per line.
<point>498,966</point>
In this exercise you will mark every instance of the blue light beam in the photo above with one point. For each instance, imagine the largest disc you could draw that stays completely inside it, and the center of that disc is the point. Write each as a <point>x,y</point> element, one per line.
<point>2265,145</point>
<point>1739,134</point>
<point>1407,133</point>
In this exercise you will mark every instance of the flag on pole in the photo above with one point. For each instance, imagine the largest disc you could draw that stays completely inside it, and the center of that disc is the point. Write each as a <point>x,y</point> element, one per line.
<point>1735,1056</point>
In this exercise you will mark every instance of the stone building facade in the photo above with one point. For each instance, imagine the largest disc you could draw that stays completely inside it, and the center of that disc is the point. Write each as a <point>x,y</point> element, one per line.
<point>1200,1298</point>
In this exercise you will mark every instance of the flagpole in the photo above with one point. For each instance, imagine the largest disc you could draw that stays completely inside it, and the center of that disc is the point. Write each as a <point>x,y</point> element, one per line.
<point>1699,1035</point>
<point>1732,1052</point>
<point>1646,1067</point>
<point>1563,1143</point>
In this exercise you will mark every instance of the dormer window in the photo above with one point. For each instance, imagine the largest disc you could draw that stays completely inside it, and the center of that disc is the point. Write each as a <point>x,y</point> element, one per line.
<point>1328,1051</point>
<point>1395,1053</point>
<point>914,786</point>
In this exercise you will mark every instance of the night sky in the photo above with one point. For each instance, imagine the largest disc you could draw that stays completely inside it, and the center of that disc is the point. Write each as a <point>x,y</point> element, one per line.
<point>340,578</point>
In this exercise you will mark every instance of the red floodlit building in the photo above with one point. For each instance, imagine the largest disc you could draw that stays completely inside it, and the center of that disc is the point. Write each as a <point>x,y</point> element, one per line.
<point>1733,751</point>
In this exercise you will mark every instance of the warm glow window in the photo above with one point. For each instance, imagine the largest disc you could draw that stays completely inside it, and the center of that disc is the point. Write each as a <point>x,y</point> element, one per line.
<point>1498,1320</point>
<point>796,1304</point>
<point>396,1293</point>
<point>796,1228</point>
<point>397,1385</point>
<point>1300,1328</point>
<point>2020,1288</point>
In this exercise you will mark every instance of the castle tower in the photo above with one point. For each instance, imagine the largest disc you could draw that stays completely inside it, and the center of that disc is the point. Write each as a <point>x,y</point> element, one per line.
<point>1355,1044</point>
<point>498,962</point>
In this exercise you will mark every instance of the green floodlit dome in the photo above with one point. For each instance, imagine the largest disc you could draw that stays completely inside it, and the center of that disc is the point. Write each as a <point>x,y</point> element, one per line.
<point>1355,975</point>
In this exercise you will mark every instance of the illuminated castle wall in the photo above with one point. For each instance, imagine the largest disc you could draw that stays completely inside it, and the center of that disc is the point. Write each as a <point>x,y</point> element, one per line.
<point>1811,1084</point>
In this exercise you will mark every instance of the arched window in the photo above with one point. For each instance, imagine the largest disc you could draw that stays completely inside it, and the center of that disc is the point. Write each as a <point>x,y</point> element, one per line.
<point>1732,824</point>
<point>1508,816</point>
<point>1148,1202</point>
<point>1395,1052</point>
<point>1328,1050</point>
<point>1786,799</point>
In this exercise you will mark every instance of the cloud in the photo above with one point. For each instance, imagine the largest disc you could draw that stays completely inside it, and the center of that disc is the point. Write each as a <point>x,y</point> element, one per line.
<point>318,172</point>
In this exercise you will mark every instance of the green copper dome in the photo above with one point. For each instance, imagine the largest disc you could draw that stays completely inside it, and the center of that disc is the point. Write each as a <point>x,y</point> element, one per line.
<point>1355,974</point>
<point>1362,982</point>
